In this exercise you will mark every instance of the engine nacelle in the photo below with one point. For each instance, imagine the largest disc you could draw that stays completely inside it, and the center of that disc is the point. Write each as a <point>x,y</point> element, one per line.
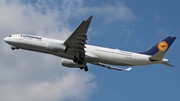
<point>70,63</point>
<point>55,47</point>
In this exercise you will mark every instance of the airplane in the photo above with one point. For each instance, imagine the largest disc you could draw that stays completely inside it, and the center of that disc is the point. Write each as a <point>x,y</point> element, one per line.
<point>76,53</point>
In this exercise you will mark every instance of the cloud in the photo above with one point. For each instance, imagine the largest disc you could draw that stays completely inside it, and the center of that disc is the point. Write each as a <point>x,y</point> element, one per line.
<point>115,12</point>
<point>157,17</point>
<point>161,32</point>
<point>67,87</point>
<point>27,76</point>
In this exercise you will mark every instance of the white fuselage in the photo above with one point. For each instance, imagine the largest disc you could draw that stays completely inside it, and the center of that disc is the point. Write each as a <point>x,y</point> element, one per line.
<point>93,53</point>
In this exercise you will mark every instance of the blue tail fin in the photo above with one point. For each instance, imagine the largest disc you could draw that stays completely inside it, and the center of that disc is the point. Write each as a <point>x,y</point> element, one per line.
<point>162,46</point>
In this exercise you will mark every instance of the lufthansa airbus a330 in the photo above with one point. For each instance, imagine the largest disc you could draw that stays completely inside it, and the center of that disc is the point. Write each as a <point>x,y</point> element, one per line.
<point>76,53</point>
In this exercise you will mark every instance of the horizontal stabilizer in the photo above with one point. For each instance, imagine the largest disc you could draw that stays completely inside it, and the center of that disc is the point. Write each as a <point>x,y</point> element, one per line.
<point>165,63</point>
<point>113,68</point>
<point>158,56</point>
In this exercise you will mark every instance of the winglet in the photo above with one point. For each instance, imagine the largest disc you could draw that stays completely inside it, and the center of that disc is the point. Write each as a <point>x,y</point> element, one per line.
<point>90,18</point>
<point>128,69</point>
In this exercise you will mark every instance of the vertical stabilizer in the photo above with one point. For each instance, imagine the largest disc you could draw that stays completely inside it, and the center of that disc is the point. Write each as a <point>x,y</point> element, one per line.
<point>158,51</point>
<point>161,46</point>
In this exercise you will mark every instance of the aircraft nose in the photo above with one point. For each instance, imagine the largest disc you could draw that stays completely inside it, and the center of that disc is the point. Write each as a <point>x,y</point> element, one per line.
<point>5,39</point>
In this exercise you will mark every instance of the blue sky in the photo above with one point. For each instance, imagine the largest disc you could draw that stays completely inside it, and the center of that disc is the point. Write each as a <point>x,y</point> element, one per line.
<point>122,24</point>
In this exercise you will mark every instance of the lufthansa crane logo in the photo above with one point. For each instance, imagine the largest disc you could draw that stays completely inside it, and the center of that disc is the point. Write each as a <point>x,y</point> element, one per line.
<point>163,46</point>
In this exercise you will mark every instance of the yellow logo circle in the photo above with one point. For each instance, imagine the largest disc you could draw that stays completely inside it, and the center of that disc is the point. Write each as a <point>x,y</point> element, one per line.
<point>163,46</point>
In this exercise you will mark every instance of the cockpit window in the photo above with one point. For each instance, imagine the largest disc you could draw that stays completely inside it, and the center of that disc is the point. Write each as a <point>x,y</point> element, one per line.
<point>10,36</point>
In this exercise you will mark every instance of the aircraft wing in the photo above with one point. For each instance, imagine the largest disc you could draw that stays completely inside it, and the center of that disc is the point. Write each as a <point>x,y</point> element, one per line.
<point>76,42</point>
<point>111,67</point>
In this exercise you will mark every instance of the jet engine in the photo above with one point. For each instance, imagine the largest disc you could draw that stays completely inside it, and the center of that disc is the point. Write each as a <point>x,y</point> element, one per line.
<point>55,47</point>
<point>70,63</point>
